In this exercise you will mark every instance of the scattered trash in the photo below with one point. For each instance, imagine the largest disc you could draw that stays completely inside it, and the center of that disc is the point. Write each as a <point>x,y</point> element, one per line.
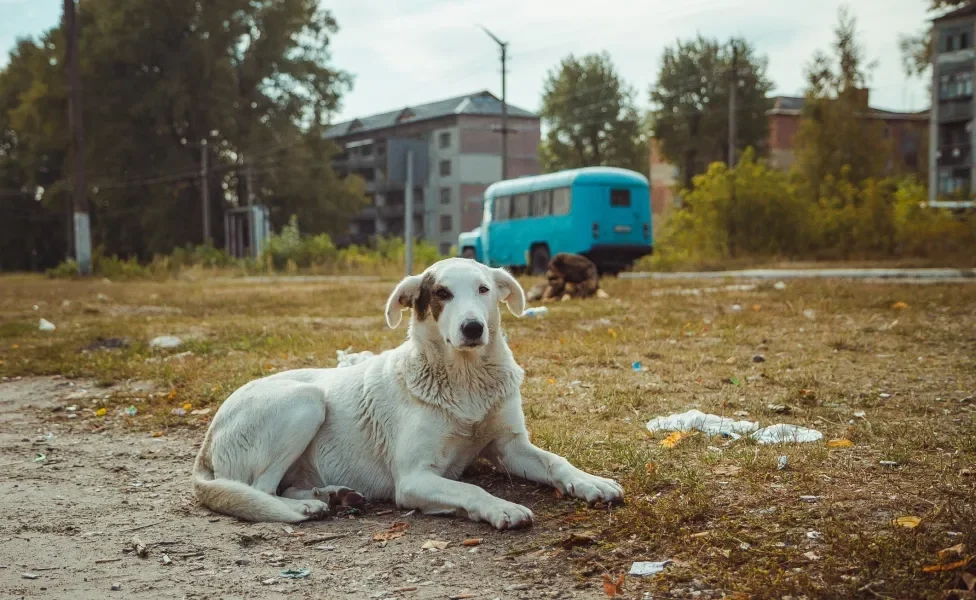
<point>673,438</point>
<point>758,358</point>
<point>131,411</point>
<point>840,443</point>
<point>809,498</point>
<point>472,542</point>
<point>735,380</point>
<point>396,530</point>
<point>165,342</point>
<point>611,586</point>
<point>46,325</point>
<point>40,458</point>
<point>101,412</point>
<point>814,535</point>
<point>736,308</point>
<point>166,559</point>
<point>29,575</point>
<point>200,411</point>
<point>884,395</point>
<point>179,412</point>
<point>782,462</point>
<point>785,433</point>
<point>779,285</point>
<point>646,569</point>
<point>116,587</point>
<point>899,306</point>
<point>778,408</point>
<point>909,522</point>
<point>636,366</point>
<point>536,311</point>
<point>810,314</point>
<point>707,423</point>
<point>140,548</point>
<point>435,545</point>
<point>860,414</point>
<point>102,298</point>
<point>296,574</point>
<point>348,358</point>
<point>887,463</point>
<point>811,556</point>
<point>268,581</point>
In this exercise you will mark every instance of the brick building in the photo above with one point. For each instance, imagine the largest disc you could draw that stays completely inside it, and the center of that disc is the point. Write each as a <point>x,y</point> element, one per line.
<point>457,154</point>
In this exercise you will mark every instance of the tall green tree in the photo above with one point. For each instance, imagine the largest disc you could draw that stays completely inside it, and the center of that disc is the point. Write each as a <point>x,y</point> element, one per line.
<point>836,139</point>
<point>591,117</point>
<point>252,77</point>
<point>690,102</point>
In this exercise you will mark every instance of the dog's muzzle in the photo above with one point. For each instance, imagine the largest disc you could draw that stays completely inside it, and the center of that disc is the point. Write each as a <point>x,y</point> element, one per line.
<point>472,332</point>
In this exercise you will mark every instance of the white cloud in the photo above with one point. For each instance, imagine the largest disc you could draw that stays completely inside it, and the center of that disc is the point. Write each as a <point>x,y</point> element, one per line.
<point>404,53</point>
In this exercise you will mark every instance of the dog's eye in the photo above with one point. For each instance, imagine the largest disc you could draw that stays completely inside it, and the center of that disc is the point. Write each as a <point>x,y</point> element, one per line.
<point>443,294</point>
<point>483,289</point>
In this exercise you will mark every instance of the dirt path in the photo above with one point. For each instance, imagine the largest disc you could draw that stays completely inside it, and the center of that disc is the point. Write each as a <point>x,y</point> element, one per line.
<point>68,523</point>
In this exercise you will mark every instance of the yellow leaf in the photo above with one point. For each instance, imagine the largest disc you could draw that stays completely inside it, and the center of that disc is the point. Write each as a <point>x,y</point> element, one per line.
<point>756,308</point>
<point>909,521</point>
<point>613,333</point>
<point>101,412</point>
<point>956,550</point>
<point>551,381</point>
<point>899,306</point>
<point>613,587</point>
<point>187,407</point>
<point>840,443</point>
<point>673,438</point>
<point>948,566</point>
<point>15,346</point>
<point>171,394</point>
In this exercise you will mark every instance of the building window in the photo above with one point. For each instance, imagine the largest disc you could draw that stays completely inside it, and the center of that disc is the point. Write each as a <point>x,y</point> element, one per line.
<point>956,85</point>
<point>447,223</point>
<point>445,168</point>
<point>445,195</point>
<point>445,139</point>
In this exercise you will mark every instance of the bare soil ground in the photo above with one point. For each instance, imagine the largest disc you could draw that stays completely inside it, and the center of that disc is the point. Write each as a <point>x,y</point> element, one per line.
<point>886,367</point>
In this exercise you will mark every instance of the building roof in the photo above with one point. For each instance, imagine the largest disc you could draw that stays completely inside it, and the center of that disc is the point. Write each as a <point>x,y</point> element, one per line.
<point>966,11</point>
<point>479,103</point>
<point>605,175</point>
<point>793,105</point>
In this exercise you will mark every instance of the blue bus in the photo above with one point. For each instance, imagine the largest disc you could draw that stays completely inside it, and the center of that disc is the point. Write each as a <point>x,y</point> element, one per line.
<point>602,213</point>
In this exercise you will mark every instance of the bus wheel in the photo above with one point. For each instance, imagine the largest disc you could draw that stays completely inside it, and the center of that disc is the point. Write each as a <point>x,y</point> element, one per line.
<point>540,260</point>
<point>468,253</point>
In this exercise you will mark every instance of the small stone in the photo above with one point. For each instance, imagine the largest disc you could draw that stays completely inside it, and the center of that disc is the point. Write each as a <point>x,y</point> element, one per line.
<point>242,562</point>
<point>758,358</point>
<point>116,587</point>
<point>165,342</point>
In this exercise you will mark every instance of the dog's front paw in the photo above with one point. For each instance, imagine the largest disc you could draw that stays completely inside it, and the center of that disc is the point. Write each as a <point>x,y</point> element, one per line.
<point>315,509</point>
<point>592,489</point>
<point>506,515</point>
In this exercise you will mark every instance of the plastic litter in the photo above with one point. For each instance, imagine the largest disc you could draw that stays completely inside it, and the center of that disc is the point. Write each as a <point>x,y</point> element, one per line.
<point>296,573</point>
<point>779,285</point>
<point>348,358</point>
<point>782,463</point>
<point>810,314</point>
<point>888,463</point>
<point>46,325</point>
<point>536,311</point>
<point>697,420</point>
<point>131,411</point>
<point>785,433</point>
<point>165,342</point>
<point>179,412</point>
<point>646,569</point>
<point>636,366</point>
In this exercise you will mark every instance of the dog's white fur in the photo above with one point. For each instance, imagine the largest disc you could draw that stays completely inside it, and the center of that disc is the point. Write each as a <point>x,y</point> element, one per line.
<point>400,426</point>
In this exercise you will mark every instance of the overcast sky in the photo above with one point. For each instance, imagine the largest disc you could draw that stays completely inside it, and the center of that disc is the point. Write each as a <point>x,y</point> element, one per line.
<point>406,52</point>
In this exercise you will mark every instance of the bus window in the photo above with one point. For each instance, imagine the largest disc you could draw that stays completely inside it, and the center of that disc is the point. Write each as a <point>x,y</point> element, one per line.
<point>503,208</point>
<point>542,203</point>
<point>560,201</point>
<point>620,198</point>
<point>520,206</point>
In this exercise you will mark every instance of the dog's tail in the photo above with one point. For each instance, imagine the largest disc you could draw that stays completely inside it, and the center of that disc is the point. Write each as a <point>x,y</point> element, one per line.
<point>236,498</point>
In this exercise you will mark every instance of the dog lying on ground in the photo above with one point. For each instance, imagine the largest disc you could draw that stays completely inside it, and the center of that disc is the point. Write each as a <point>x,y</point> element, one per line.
<point>568,276</point>
<point>400,426</point>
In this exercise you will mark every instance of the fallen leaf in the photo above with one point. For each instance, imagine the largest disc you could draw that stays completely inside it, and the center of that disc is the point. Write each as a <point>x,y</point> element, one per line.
<point>840,443</point>
<point>651,469</point>
<point>396,530</point>
<point>948,566</point>
<point>899,306</point>
<point>613,587</point>
<point>157,434</point>
<point>673,438</point>
<point>735,381</point>
<point>726,470</point>
<point>755,308</point>
<point>171,394</point>
<point>613,333</point>
<point>909,522</point>
<point>187,407</point>
<point>101,412</point>
<point>551,381</point>
<point>579,539</point>
<point>970,581</point>
<point>951,551</point>
<point>557,494</point>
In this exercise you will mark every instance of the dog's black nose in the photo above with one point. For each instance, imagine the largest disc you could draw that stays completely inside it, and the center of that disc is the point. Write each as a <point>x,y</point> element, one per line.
<point>472,330</point>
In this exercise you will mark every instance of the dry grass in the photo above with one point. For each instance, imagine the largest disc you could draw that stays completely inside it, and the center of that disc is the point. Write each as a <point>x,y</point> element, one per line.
<point>910,371</point>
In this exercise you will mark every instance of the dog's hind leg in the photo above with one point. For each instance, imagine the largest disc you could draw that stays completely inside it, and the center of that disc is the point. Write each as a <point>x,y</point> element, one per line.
<point>335,495</point>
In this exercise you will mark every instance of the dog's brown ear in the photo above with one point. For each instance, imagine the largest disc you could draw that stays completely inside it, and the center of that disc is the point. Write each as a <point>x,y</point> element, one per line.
<point>510,292</point>
<point>403,297</point>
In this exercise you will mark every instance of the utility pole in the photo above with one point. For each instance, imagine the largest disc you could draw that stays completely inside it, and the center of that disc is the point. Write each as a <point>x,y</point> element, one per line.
<point>408,217</point>
<point>82,221</point>
<point>504,48</point>
<point>205,193</point>
<point>733,89</point>
<point>251,234</point>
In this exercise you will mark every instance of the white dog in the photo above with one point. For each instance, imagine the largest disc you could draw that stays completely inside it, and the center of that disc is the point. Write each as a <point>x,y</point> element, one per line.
<point>400,426</point>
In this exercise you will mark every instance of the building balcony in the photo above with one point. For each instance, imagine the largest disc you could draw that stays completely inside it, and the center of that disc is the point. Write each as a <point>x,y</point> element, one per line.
<point>397,210</point>
<point>954,155</point>
<point>955,110</point>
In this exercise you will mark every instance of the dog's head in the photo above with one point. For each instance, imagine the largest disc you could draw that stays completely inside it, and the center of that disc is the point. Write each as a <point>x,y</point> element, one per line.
<point>456,300</point>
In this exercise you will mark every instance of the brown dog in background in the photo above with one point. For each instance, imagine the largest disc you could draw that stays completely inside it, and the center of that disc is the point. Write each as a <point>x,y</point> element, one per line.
<point>568,276</point>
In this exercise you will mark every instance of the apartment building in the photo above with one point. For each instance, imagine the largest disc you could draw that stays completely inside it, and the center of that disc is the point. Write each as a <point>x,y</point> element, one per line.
<point>951,166</point>
<point>456,144</point>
